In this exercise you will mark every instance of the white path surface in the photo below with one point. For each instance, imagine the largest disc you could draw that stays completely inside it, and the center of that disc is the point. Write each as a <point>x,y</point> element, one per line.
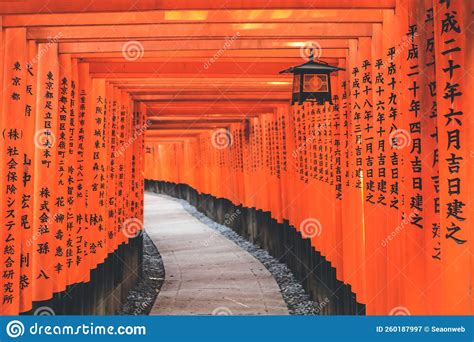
<point>206,273</point>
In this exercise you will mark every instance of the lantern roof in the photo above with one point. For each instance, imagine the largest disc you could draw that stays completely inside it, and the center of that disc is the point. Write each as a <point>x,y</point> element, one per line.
<point>311,66</point>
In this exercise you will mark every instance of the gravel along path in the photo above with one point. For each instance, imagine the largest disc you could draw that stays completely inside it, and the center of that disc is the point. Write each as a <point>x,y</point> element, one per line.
<point>141,298</point>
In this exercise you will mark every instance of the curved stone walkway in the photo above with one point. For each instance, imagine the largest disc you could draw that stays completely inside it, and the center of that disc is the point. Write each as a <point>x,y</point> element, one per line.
<point>205,273</point>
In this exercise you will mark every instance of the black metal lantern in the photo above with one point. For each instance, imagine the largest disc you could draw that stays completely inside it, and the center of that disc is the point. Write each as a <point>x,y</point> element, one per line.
<point>311,81</point>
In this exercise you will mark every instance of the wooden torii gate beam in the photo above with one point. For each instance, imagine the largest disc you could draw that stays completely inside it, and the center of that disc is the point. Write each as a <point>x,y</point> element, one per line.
<point>78,49</point>
<point>59,6</point>
<point>172,16</point>
<point>249,96</point>
<point>230,109</point>
<point>206,118</point>
<point>274,80</point>
<point>194,68</point>
<point>196,120</point>
<point>172,140</point>
<point>202,126</point>
<point>174,132</point>
<point>211,30</point>
<point>292,55</point>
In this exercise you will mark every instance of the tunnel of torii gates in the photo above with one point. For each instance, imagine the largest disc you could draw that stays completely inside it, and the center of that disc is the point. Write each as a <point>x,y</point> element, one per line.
<point>370,193</point>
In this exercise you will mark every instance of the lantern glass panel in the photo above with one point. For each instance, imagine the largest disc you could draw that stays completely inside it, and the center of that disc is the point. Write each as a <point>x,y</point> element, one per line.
<point>296,83</point>
<point>315,83</point>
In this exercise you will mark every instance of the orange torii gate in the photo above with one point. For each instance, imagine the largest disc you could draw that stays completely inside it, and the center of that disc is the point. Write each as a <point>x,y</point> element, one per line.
<point>375,186</point>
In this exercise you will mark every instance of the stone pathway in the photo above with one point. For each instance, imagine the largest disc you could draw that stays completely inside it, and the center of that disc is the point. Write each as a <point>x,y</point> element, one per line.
<point>205,273</point>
